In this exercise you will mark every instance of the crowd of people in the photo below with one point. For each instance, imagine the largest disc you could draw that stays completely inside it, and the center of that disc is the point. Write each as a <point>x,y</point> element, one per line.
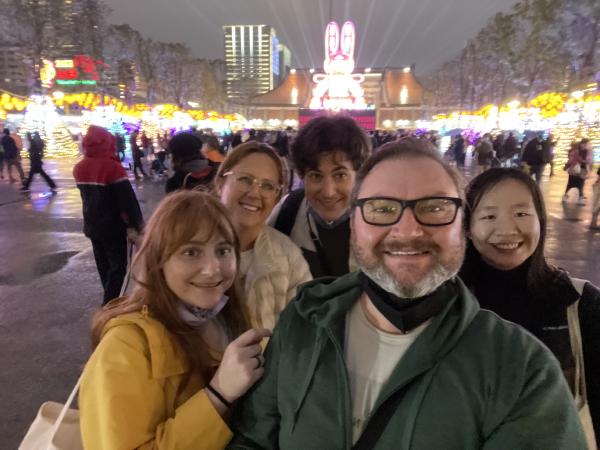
<point>379,303</point>
<point>331,288</point>
<point>11,146</point>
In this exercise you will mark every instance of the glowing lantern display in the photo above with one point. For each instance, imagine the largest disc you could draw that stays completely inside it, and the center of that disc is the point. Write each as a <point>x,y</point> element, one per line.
<point>338,88</point>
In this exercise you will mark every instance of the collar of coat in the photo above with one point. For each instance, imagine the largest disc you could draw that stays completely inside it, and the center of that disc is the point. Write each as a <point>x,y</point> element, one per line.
<point>324,303</point>
<point>264,258</point>
<point>166,356</point>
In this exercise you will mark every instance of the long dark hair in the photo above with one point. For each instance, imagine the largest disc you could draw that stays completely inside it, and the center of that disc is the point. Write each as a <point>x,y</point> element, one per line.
<point>540,271</point>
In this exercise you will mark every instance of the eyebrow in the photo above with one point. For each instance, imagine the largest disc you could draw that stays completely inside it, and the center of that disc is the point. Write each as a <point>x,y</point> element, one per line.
<point>335,169</point>
<point>516,205</point>
<point>195,242</point>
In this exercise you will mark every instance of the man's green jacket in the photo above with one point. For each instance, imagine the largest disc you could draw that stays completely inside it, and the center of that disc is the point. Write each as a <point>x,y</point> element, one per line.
<point>471,379</point>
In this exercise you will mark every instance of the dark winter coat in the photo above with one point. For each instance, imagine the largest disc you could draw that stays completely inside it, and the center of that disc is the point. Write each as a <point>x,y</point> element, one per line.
<point>510,148</point>
<point>11,150</point>
<point>198,172</point>
<point>534,153</point>
<point>36,152</point>
<point>109,202</point>
<point>471,381</point>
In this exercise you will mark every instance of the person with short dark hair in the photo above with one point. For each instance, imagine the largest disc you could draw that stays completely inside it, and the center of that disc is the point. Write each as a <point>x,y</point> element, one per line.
<point>191,167</point>
<point>36,155</point>
<point>326,154</point>
<point>137,153</point>
<point>111,212</point>
<point>11,156</point>
<point>534,156</point>
<point>399,354</point>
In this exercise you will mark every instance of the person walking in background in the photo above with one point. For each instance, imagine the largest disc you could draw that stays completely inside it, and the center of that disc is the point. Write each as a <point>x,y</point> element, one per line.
<point>11,156</point>
<point>137,153</point>
<point>191,168</point>
<point>484,152</point>
<point>111,212</point>
<point>534,157</point>
<point>548,145</point>
<point>510,150</point>
<point>596,203</point>
<point>578,166</point>
<point>36,155</point>
<point>210,150</point>
<point>120,144</point>
<point>459,151</point>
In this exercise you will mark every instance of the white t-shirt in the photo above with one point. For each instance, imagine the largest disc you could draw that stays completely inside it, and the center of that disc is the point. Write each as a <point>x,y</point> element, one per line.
<point>371,356</point>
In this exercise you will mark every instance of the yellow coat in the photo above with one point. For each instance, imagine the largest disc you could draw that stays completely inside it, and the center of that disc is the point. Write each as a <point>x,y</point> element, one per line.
<point>127,395</point>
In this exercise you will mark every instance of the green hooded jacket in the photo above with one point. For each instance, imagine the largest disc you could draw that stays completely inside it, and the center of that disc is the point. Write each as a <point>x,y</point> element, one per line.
<point>472,381</point>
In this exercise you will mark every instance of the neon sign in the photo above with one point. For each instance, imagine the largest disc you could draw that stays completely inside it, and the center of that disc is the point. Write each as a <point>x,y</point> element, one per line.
<point>338,88</point>
<point>80,70</point>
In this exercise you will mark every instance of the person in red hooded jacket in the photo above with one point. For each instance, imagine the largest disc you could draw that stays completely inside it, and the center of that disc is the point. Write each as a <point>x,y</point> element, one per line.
<point>111,212</point>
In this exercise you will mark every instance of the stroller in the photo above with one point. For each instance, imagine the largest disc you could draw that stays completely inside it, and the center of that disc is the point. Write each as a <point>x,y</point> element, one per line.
<point>158,165</point>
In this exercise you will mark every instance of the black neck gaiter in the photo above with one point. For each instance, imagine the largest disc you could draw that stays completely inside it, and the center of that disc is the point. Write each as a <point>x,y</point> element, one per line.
<point>406,314</point>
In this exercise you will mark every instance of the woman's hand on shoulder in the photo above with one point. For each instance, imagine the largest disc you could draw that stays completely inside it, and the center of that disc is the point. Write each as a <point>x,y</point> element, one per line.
<point>242,365</point>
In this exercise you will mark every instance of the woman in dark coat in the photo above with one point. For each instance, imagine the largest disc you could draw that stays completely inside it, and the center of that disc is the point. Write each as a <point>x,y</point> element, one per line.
<point>506,269</point>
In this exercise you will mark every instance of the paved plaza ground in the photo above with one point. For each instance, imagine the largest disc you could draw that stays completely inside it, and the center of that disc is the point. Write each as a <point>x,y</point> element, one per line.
<point>49,286</point>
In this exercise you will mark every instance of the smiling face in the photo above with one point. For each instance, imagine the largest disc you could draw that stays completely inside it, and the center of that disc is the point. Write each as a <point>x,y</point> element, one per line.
<point>328,187</point>
<point>408,259</point>
<point>249,209</point>
<point>200,271</point>
<point>505,227</point>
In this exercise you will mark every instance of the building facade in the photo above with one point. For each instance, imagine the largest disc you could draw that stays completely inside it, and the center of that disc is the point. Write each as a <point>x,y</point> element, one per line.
<point>15,70</point>
<point>253,61</point>
<point>394,98</point>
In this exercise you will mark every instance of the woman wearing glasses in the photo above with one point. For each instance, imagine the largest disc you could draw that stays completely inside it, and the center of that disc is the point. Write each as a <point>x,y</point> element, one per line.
<point>250,182</point>
<point>506,269</point>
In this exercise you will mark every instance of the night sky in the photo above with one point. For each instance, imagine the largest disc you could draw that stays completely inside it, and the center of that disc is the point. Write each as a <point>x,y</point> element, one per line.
<point>389,32</point>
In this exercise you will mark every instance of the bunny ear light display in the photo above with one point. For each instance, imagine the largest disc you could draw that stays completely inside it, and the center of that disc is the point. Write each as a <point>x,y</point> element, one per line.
<point>338,89</point>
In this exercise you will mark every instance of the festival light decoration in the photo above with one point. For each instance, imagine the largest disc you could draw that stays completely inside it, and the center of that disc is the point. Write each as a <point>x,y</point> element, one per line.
<point>338,88</point>
<point>41,116</point>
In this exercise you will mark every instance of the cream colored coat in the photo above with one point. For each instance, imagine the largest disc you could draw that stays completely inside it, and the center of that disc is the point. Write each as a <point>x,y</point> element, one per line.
<point>276,270</point>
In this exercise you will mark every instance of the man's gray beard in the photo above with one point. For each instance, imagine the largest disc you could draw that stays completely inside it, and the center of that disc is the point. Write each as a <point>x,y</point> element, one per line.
<point>440,273</point>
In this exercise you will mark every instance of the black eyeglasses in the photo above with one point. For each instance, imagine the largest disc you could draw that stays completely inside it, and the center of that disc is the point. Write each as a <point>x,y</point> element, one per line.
<point>429,211</point>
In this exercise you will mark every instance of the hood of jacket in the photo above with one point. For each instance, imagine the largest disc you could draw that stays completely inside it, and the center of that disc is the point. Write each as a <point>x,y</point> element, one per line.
<point>166,355</point>
<point>99,143</point>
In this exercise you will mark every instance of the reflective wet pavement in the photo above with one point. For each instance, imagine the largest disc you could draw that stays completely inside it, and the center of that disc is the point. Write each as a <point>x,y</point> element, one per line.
<point>49,286</point>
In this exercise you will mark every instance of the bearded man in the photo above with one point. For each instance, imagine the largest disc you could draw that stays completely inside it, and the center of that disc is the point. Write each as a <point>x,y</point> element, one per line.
<point>399,355</point>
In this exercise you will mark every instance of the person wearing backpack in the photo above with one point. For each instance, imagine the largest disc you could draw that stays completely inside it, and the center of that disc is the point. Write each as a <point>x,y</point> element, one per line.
<point>326,154</point>
<point>191,166</point>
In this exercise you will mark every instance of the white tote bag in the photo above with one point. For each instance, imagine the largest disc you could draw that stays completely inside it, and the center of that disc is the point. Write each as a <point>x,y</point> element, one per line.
<point>56,427</point>
<point>581,399</point>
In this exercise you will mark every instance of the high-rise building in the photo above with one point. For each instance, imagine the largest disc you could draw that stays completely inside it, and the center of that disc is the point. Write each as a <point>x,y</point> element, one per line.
<point>285,63</point>
<point>252,59</point>
<point>15,73</point>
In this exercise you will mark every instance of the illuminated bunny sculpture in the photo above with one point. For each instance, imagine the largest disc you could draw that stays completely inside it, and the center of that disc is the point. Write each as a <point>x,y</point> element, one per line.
<point>338,88</point>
